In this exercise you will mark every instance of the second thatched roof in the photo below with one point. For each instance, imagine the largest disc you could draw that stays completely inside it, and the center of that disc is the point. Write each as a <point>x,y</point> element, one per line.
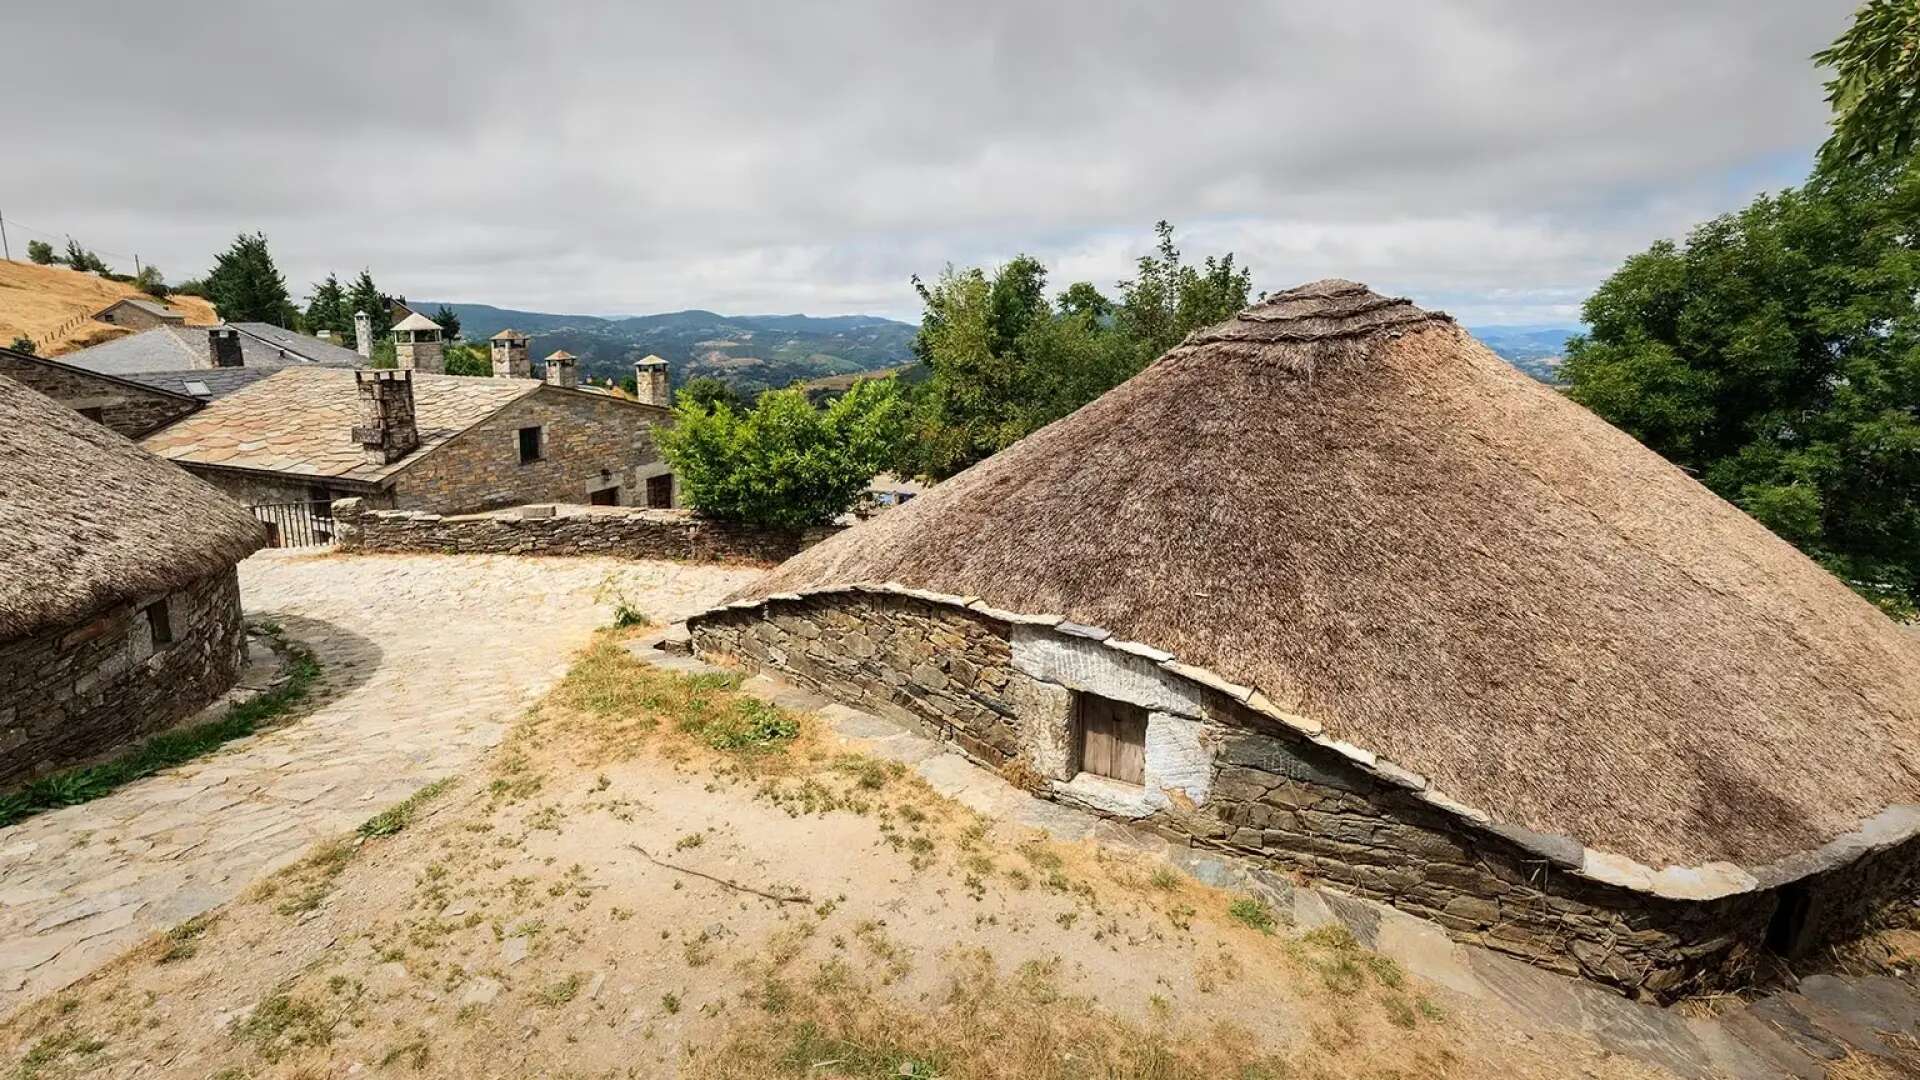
<point>89,520</point>
<point>1350,505</point>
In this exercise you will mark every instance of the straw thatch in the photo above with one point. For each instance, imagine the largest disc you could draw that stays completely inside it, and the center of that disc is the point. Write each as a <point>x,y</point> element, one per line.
<point>88,520</point>
<point>1351,505</point>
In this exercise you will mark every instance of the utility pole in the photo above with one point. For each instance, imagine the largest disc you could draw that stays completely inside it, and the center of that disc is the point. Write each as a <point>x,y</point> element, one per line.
<point>5,249</point>
<point>136,264</point>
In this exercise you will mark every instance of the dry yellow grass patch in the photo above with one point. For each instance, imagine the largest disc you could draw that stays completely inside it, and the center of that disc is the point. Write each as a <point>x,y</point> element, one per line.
<point>34,300</point>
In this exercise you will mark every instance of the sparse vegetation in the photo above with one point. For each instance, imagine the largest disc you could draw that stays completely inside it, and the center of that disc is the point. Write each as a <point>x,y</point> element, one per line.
<point>1252,913</point>
<point>396,817</point>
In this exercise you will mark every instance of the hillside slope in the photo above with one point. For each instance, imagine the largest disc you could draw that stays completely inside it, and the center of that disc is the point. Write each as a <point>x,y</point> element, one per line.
<point>39,300</point>
<point>749,352</point>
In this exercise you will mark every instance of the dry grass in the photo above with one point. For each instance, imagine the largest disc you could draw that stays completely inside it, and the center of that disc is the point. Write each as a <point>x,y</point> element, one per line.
<point>34,300</point>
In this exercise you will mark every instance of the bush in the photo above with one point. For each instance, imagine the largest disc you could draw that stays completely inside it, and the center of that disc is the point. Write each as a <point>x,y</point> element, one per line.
<point>784,463</point>
<point>24,344</point>
<point>40,253</point>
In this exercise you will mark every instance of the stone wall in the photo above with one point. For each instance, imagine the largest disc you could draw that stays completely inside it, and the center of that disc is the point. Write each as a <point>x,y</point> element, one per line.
<point>135,317</point>
<point>128,408</point>
<point>547,529</point>
<point>72,693</point>
<point>1231,779</point>
<point>589,442</point>
<point>258,489</point>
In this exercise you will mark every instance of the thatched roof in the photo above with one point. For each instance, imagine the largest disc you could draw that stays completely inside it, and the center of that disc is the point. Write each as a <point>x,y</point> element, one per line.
<point>88,520</point>
<point>1350,505</point>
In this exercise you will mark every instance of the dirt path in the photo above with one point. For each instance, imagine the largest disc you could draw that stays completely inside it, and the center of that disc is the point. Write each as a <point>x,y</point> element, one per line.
<point>656,875</point>
<point>428,659</point>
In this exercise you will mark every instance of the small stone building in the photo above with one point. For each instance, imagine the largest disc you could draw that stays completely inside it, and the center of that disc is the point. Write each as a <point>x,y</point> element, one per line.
<point>140,314</point>
<point>206,362</point>
<point>128,407</point>
<point>1333,588</point>
<point>412,440</point>
<point>119,604</point>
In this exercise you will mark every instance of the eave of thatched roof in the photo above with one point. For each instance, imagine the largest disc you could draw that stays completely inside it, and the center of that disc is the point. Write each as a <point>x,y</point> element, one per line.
<point>89,520</point>
<point>1350,509</point>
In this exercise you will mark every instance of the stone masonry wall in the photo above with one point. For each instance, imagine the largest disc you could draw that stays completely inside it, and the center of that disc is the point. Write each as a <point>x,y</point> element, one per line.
<point>589,442</point>
<point>627,532</point>
<point>1279,800</point>
<point>256,489</point>
<point>70,694</point>
<point>131,410</point>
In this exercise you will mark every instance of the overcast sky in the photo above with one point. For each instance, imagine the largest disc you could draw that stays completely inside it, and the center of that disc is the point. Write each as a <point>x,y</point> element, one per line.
<point>1493,159</point>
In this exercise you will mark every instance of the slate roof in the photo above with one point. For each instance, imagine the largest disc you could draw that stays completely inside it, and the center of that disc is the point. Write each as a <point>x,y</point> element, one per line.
<point>148,306</point>
<point>299,421</point>
<point>181,348</point>
<point>218,382</point>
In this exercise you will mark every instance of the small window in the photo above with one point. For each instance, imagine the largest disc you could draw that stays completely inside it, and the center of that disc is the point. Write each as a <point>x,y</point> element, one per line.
<point>159,623</point>
<point>1787,929</point>
<point>1110,738</point>
<point>660,492</point>
<point>604,497</point>
<point>529,445</point>
<point>95,414</point>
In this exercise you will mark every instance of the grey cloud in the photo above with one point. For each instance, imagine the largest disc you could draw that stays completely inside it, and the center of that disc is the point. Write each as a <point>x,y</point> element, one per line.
<point>1497,158</point>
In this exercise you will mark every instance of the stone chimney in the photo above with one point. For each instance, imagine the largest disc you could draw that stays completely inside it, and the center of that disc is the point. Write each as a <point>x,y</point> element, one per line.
<point>563,369</point>
<point>417,345</point>
<point>510,358</point>
<point>650,383</point>
<point>363,334</point>
<point>223,347</point>
<point>387,431</point>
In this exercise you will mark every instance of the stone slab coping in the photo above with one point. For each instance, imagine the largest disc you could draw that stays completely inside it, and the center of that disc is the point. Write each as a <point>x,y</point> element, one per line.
<point>1708,881</point>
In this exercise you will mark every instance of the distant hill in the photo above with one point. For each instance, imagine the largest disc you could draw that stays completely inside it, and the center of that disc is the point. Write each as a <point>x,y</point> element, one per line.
<point>50,304</point>
<point>749,352</point>
<point>1536,350</point>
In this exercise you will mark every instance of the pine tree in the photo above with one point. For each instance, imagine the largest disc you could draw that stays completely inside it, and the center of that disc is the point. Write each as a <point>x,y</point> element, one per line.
<point>449,321</point>
<point>364,295</point>
<point>327,309</point>
<point>245,286</point>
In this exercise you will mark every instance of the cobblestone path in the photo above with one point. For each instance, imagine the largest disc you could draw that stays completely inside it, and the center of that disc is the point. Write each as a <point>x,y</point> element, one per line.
<point>427,659</point>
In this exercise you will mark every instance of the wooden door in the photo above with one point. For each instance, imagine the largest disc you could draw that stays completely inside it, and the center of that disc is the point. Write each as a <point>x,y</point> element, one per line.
<point>660,492</point>
<point>1113,738</point>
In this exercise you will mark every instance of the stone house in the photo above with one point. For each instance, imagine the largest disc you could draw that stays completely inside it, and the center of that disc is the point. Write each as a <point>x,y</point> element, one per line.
<point>128,407</point>
<point>120,607</point>
<point>1333,588</point>
<point>413,440</point>
<point>139,314</point>
<point>206,362</point>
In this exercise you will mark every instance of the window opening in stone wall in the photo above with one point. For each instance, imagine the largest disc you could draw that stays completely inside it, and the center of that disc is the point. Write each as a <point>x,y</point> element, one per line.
<point>660,492</point>
<point>1110,738</point>
<point>604,497</point>
<point>159,623</point>
<point>529,445</point>
<point>97,415</point>
<point>1789,923</point>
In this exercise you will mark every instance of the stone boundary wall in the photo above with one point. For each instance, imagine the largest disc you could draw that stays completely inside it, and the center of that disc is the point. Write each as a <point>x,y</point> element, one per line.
<point>626,532</point>
<point>1276,799</point>
<point>74,692</point>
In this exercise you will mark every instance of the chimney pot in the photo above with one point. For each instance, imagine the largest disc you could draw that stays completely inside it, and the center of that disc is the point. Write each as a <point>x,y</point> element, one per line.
<point>363,334</point>
<point>510,357</point>
<point>223,347</point>
<point>387,431</point>
<point>563,370</point>
<point>651,383</point>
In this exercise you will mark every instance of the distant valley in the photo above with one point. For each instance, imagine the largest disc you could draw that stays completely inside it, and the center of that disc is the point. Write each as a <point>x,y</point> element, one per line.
<point>749,352</point>
<point>1536,350</point>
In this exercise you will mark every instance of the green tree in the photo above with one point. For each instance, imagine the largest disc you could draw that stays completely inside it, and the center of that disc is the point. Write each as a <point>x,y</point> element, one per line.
<point>1776,355</point>
<point>1875,87</point>
<point>24,345</point>
<point>784,463</point>
<point>364,295</point>
<point>1169,299</point>
<point>708,392</point>
<point>245,285</point>
<point>449,321</point>
<point>468,358</point>
<point>152,282</point>
<point>40,253</point>
<point>327,309</point>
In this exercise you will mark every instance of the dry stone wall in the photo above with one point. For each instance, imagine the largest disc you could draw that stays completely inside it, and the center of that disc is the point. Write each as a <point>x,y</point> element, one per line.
<point>75,692</point>
<point>626,532</point>
<point>1281,801</point>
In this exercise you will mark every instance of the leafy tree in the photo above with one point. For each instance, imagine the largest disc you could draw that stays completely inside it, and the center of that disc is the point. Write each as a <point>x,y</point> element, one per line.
<point>363,295</point>
<point>1003,362</point>
<point>784,463</point>
<point>468,358</point>
<point>708,392</point>
<point>24,344</point>
<point>1776,355</point>
<point>449,321</point>
<point>1875,88</point>
<point>191,287</point>
<point>40,253</point>
<point>327,309</point>
<point>152,282</point>
<point>246,286</point>
<point>77,257</point>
